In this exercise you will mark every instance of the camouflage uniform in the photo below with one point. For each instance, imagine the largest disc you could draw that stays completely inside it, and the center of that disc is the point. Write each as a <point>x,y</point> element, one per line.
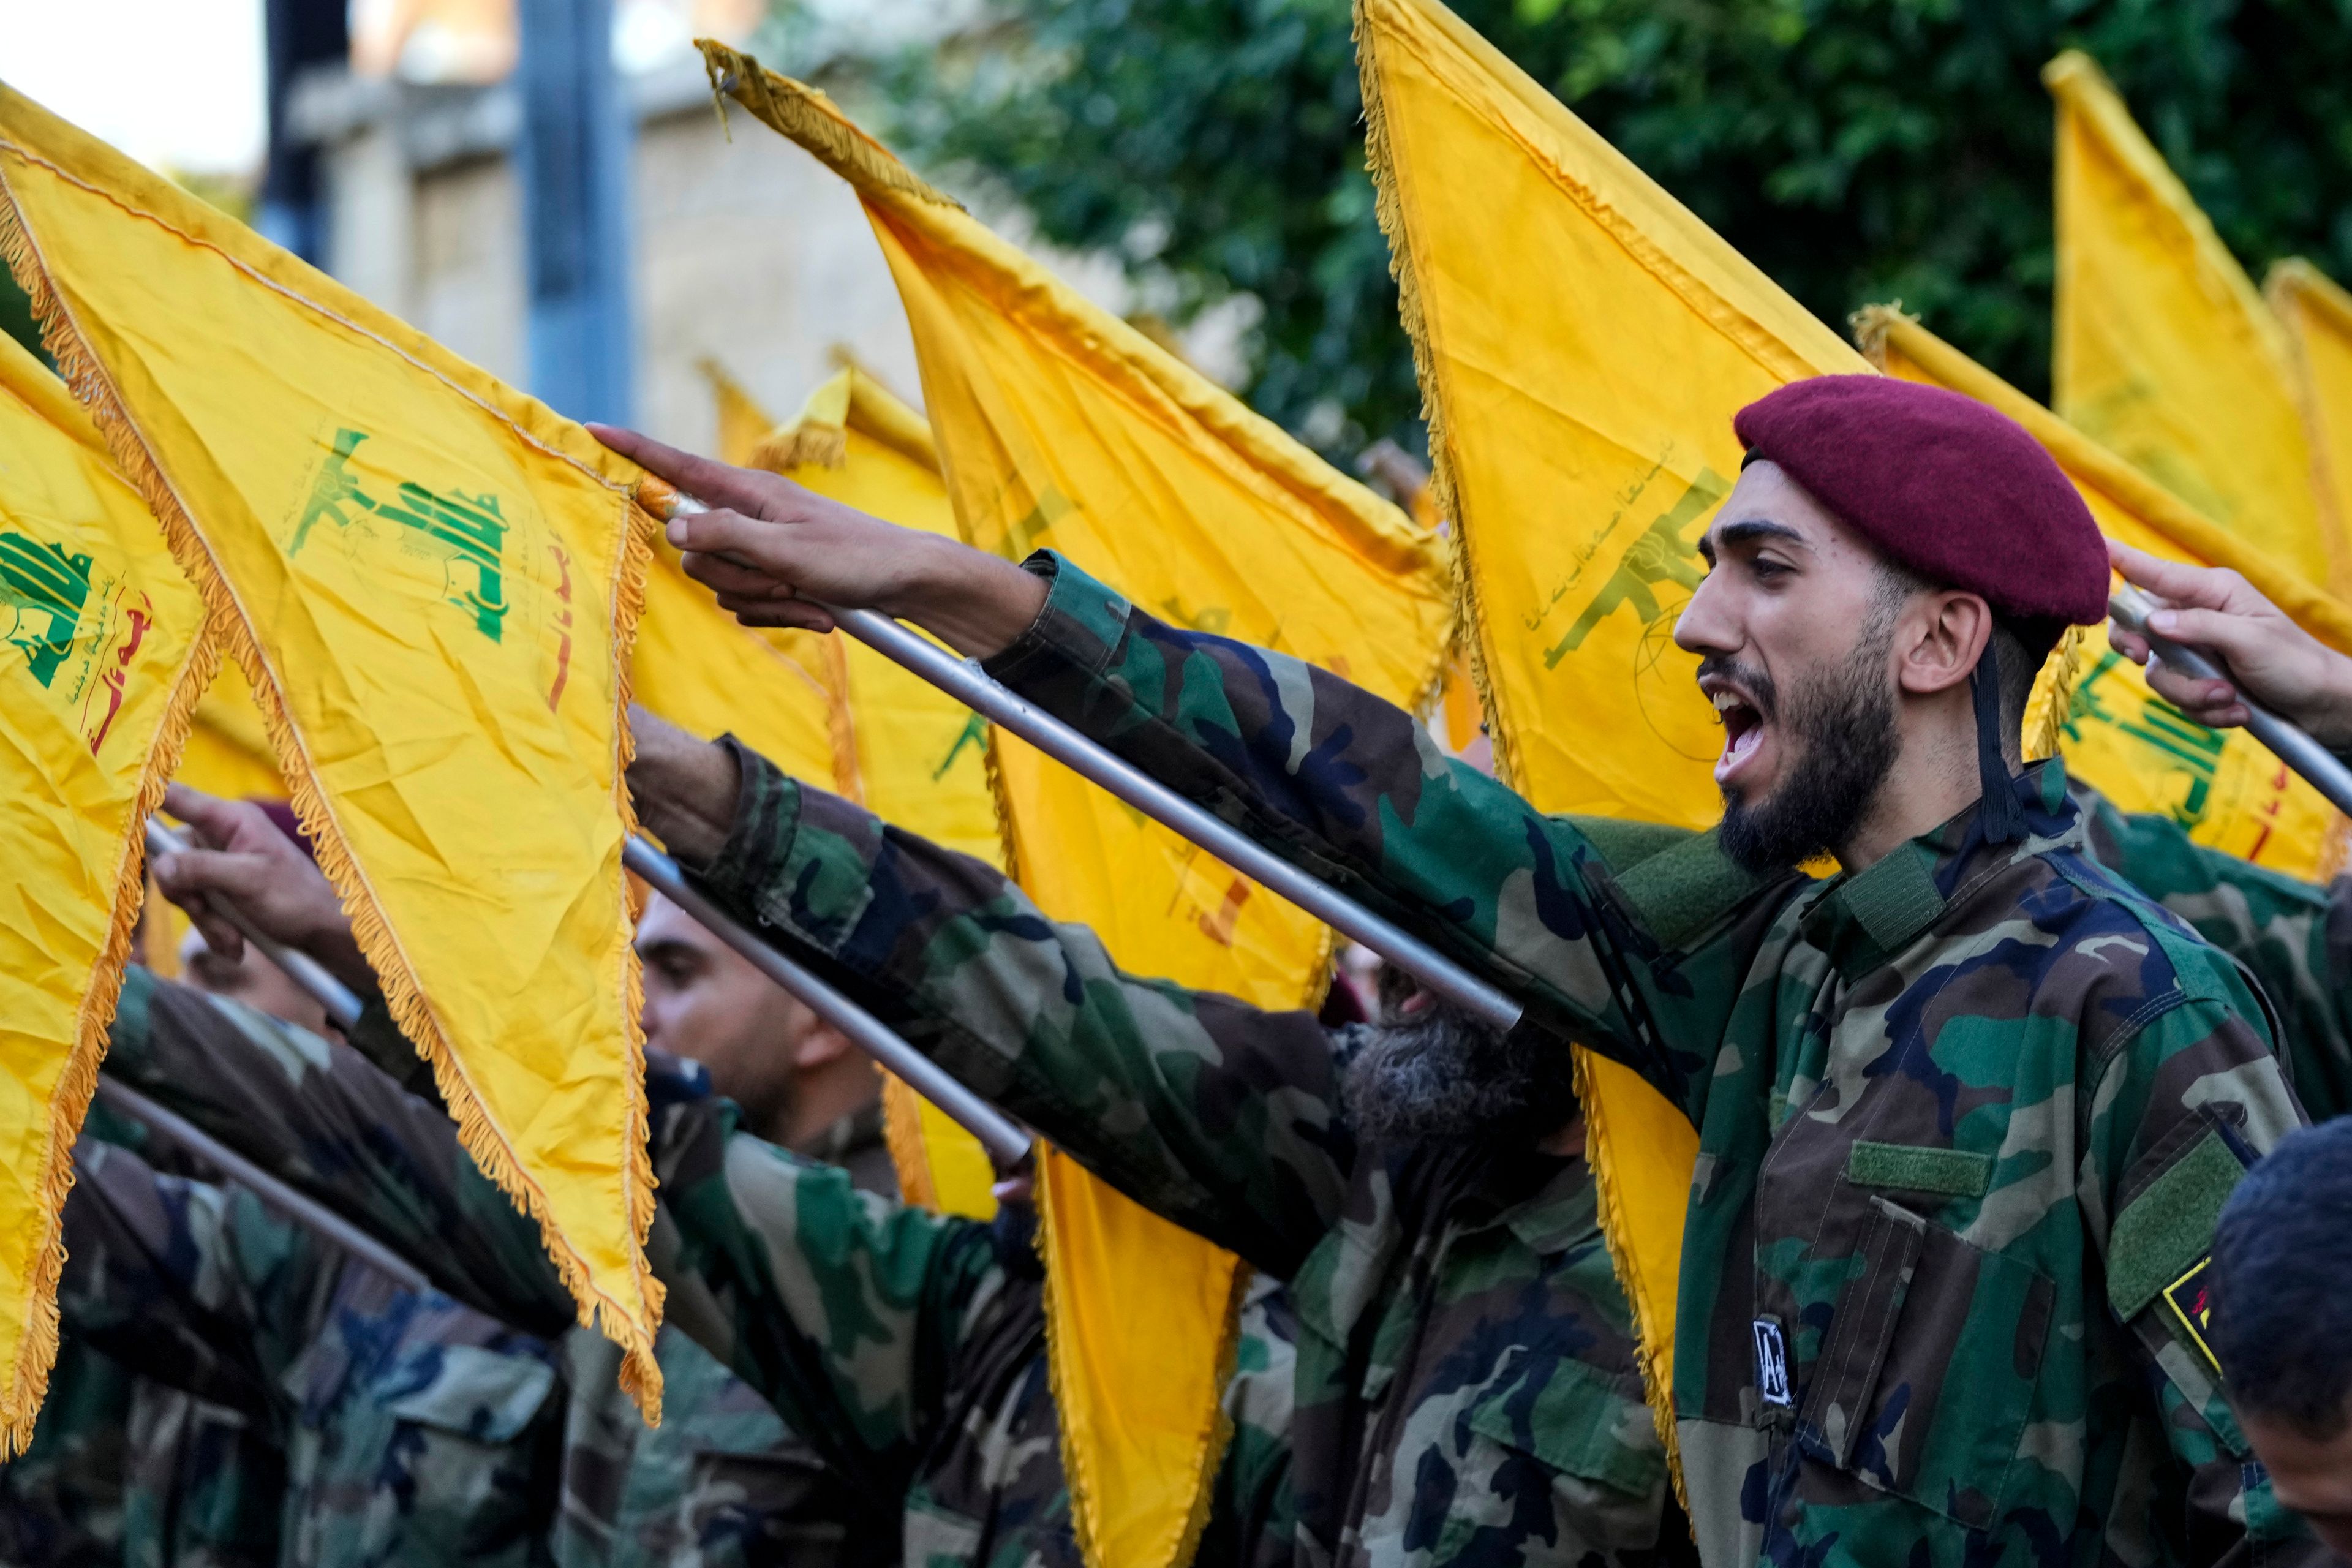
<point>907,1348</point>
<point>720,1481</point>
<point>1547,1449</point>
<point>407,1428</point>
<point>1965,1119</point>
<point>2296,937</point>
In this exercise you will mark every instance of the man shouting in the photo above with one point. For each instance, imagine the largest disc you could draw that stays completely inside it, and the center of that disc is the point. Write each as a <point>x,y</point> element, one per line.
<point>1965,1111</point>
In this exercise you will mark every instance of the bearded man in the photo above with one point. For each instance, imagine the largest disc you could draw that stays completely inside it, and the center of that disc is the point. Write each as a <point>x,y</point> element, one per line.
<point>1966,1111</point>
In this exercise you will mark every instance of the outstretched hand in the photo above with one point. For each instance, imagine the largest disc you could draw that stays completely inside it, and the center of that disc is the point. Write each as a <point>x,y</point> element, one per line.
<point>243,859</point>
<point>2270,657</point>
<point>774,552</point>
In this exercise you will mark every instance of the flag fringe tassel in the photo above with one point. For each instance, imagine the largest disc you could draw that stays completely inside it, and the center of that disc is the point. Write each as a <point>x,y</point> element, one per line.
<point>29,1380</point>
<point>1389,208</point>
<point>640,1374</point>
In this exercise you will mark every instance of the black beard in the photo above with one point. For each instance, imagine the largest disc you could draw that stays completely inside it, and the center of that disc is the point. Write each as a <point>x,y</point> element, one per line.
<point>1843,724</point>
<point>1440,1076</point>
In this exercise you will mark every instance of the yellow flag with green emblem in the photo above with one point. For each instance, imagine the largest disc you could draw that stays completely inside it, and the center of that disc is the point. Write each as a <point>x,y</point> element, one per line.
<point>917,756</point>
<point>2317,317</point>
<point>103,654</point>
<point>1583,342</point>
<point>2165,353</point>
<point>2224,786</point>
<point>1058,424</point>
<point>432,583</point>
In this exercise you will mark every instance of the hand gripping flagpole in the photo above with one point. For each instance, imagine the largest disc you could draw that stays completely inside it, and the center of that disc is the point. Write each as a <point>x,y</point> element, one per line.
<point>342,1004</point>
<point>1006,1144</point>
<point>965,681</point>
<point>2293,744</point>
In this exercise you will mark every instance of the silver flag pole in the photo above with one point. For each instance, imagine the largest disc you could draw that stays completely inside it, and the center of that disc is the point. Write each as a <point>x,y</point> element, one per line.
<point>2293,744</point>
<point>342,1004</point>
<point>1006,1144</point>
<point>964,680</point>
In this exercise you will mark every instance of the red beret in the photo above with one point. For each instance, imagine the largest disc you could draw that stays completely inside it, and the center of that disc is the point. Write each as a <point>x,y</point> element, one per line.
<point>1941,484</point>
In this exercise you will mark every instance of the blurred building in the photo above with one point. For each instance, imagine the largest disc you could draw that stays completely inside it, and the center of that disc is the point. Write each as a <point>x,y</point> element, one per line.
<point>743,248</point>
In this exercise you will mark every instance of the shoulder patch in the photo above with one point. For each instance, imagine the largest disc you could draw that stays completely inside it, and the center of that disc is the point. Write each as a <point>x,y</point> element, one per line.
<point>2166,1229</point>
<point>2191,1305</point>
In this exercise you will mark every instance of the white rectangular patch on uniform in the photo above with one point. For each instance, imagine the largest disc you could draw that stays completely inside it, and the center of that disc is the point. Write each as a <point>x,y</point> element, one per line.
<point>1771,1364</point>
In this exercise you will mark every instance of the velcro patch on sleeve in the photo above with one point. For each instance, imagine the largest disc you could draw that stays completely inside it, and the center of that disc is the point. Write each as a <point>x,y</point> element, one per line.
<point>1908,1168</point>
<point>2165,1231</point>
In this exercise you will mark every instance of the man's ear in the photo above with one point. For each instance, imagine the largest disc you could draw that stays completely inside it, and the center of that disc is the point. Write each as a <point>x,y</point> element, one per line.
<point>820,1045</point>
<point>1942,638</point>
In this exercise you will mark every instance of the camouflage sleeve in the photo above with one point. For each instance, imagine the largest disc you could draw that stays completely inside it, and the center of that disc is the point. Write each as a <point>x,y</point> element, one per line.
<point>319,1117</point>
<point>1349,787</point>
<point>177,1278</point>
<point>2294,938</point>
<point>2178,1105</point>
<point>1219,1116</point>
<point>842,1307</point>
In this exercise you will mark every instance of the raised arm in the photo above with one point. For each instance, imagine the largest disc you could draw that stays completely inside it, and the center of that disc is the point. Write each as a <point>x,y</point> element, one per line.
<point>319,1117</point>
<point>1223,1118</point>
<point>2294,938</point>
<point>837,1306</point>
<point>1318,770</point>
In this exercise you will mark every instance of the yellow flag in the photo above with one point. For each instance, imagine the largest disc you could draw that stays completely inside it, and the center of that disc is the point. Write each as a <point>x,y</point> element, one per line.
<point>1060,424</point>
<point>2165,353</point>
<point>2317,317</point>
<point>432,583</point>
<point>228,751</point>
<point>917,757</point>
<point>103,655</point>
<point>2143,753</point>
<point>1583,342</point>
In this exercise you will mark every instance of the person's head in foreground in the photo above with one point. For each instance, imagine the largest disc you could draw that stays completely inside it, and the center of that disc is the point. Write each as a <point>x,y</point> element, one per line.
<point>793,1074</point>
<point>2279,1318</point>
<point>1885,580</point>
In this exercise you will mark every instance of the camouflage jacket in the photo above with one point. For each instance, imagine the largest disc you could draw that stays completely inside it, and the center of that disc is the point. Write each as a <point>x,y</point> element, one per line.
<point>126,1472</point>
<point>410,1429</point>
<point>722,1481</point>
<point>2295,936</point>
<point>1545,1451</point>
<point>1964,1121</point>
<point>908,1349</point>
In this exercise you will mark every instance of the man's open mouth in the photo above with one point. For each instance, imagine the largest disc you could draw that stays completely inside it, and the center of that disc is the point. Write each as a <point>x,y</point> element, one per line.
<point>1743,731</point>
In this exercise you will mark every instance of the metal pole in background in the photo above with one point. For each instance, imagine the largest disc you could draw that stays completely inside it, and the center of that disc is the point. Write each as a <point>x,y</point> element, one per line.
<point>1006,1144</point>
<point>303,1211</point>
<point>573,156</point>
<point>964,680</point>
<point>341,1003</point>
<point>2293,744</point>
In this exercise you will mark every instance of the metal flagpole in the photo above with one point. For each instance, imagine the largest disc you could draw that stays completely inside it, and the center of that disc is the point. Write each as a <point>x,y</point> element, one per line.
<point>1006,1144</point>
<point>964,679</point>
<point>2293,744</point>
<point>304,1211</point>
<point>343,1004</point>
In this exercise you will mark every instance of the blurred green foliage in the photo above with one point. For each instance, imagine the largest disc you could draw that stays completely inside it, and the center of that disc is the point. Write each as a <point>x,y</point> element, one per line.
<point>1858,151</point>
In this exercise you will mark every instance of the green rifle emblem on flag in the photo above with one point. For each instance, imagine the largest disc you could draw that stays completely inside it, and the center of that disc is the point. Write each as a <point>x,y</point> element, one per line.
<point>468,530</point>
<point>44,590</point>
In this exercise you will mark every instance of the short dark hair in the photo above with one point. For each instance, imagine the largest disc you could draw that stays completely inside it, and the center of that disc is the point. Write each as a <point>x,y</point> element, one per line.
<point>2021,645</point>
<point>2280,1297</point>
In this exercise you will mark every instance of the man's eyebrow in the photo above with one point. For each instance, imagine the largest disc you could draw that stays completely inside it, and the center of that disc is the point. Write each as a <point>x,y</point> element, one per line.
<point>1748,531</point>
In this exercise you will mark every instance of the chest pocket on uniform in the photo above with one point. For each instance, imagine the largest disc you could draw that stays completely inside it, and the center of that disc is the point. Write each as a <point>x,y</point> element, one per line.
<point>1926,1380</point>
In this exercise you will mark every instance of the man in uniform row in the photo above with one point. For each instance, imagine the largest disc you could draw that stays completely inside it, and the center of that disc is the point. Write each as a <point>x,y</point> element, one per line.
<point>1966,1112</point>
